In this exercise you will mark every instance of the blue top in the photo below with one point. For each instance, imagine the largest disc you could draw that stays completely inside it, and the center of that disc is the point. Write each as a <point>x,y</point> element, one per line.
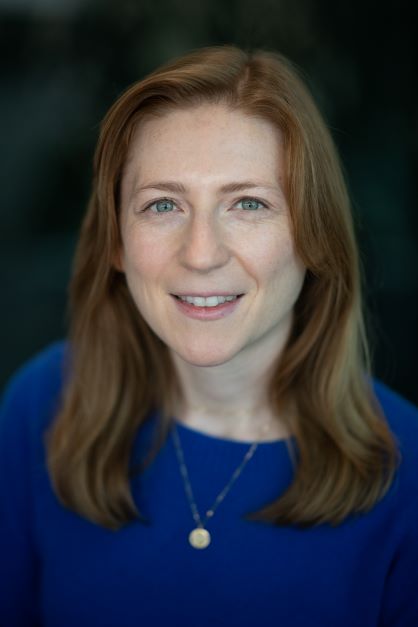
<point>59,570</point>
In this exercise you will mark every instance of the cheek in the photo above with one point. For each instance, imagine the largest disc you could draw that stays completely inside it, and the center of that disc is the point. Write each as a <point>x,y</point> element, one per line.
<point>141,266</point>
<point>283,269</point>
<point>272,252</point>
<point>141,256</point>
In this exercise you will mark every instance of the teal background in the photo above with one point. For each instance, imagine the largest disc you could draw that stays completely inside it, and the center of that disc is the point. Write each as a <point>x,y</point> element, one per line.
<point>63,63</point>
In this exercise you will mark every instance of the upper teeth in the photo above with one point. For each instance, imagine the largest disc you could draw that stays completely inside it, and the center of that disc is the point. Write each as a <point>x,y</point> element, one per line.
<point>211,301</point>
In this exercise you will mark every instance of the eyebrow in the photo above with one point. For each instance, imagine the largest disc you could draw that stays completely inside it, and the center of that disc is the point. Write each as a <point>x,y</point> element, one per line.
<point>172,186</point>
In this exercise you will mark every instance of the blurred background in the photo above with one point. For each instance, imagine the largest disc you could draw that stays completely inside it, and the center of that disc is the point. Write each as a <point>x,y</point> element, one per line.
<point>64,62</point>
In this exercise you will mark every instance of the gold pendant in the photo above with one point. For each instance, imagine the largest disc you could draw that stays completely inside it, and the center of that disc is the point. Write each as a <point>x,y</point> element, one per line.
<point>199,538</point>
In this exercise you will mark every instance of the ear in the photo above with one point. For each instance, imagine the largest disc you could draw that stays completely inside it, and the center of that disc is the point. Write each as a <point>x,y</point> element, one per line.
<point>117,261</point>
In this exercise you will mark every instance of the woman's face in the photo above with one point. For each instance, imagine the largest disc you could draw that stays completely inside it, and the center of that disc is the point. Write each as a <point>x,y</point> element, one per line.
<point>203,211</point>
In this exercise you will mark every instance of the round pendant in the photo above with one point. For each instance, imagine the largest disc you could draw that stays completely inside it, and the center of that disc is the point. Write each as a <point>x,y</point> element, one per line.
<point>199,538</point>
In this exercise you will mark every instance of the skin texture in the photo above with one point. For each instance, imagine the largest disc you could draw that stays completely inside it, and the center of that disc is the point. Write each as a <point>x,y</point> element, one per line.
<point>208,240</point>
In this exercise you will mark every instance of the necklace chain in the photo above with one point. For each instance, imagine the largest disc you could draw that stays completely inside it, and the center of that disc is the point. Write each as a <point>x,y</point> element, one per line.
<point>200,538</point>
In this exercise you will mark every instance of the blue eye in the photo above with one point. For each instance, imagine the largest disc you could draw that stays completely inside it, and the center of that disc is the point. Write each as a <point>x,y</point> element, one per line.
<point>164,204</point>
<point>251,203</point>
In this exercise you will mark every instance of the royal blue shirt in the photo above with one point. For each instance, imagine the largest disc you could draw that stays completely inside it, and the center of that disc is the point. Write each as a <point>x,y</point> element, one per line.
<point>58,569</point>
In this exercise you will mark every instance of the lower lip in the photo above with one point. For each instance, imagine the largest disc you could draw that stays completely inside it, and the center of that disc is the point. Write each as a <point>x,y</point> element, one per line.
<point>207,313</point>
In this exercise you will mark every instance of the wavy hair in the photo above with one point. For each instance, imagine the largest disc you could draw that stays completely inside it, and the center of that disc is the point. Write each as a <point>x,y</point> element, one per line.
<point>120,371</point>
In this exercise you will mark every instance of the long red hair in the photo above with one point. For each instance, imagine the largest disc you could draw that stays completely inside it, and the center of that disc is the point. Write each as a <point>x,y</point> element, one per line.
<point>121,371</point>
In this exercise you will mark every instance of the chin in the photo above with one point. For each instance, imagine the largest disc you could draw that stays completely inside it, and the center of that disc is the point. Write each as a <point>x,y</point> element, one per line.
<point>206,359</point>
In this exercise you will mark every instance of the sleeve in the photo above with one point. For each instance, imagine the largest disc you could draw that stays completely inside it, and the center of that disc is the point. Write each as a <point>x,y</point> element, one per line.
<point>18,562</point>
<point>399,607</point>
<point>400,595</point>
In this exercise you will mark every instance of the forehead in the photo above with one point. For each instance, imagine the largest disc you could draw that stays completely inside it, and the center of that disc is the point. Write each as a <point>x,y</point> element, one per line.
<point>210,141</point>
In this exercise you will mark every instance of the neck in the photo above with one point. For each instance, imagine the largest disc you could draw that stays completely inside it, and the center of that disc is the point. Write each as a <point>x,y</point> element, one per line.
<point>229,400</point>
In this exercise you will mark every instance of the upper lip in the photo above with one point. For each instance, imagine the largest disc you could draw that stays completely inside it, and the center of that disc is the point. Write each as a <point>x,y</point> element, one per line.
<point>208,294</point>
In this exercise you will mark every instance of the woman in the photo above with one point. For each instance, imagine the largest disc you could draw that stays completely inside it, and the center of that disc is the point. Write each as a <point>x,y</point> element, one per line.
<point>209,447</point>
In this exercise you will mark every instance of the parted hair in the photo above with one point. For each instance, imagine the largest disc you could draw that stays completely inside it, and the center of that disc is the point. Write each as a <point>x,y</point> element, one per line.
<point>119,372</point>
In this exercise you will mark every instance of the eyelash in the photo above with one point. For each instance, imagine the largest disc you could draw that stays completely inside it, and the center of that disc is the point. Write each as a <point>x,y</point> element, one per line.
<point>154,202</point>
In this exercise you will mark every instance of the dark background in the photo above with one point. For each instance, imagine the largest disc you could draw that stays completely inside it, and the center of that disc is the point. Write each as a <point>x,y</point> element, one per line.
<point>64,62</point>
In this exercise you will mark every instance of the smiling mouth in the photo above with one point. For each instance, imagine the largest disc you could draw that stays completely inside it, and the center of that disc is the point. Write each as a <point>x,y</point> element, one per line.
<point>233,298</point>
<point>206,311</point>
<point>178,297</point>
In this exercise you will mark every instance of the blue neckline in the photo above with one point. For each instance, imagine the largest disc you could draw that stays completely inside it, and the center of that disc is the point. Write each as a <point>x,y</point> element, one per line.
<point>228,441</point>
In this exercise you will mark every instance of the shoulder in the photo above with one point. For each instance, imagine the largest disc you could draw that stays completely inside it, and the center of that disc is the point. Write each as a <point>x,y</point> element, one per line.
<point>34,389</point>
<point>402,419</point>
<point>401,414</point>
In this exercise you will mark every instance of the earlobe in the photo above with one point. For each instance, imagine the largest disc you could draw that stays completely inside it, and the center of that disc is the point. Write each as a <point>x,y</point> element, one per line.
<point>117,261</point>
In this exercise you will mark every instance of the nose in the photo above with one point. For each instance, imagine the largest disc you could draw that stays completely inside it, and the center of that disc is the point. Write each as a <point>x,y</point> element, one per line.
<point>203,247</point>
